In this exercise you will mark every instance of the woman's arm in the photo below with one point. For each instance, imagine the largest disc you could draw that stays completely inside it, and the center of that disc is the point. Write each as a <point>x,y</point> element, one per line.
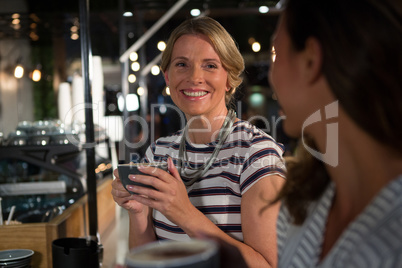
<point>140,227</point>
<point>259,227</point>
<point>259,222</point>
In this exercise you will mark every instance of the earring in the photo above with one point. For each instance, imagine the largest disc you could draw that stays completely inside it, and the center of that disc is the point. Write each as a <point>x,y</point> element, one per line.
<point>167,90</point>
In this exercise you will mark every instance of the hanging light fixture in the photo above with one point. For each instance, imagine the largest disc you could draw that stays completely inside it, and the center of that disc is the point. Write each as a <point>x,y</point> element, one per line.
<point>19,71</point>
<point>37,74</point>
<point>135,66</point>
<point>133,56</point>
<point>256,46</point>
<point>161,45</point>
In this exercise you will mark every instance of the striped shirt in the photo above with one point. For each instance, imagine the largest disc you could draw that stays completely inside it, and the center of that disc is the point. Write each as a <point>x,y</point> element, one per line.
<point>247,156</point>
<point>372,240</point>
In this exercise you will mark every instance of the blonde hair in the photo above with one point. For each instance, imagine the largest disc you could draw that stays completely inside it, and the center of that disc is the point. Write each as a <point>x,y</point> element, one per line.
<point>223,43</point>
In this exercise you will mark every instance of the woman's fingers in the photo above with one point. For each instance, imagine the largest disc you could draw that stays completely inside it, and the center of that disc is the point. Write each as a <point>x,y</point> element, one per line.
<point>116,173</point>
<point>173,170</point>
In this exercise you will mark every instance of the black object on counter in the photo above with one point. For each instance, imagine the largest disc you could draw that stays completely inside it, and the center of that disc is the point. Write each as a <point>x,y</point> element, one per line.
<point>76,252</point>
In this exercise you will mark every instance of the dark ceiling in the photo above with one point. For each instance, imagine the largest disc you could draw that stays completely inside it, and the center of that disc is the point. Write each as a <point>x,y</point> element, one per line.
<point>55,17</point>
<point>44,21</point>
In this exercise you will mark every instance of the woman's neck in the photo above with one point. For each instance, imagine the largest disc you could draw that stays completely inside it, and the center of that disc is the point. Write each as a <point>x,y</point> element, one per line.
<point>205,128</point>
<point>365,166</point>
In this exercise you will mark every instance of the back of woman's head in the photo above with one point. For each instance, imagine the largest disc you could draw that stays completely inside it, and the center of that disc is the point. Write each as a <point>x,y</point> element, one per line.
<point>222,41</point>
<point>362,57</point>
<point>361,42</point>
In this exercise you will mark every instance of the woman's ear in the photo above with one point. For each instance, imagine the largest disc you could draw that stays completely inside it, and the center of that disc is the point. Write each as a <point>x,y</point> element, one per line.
<point>313,59</point>
<point>228,87</point>
<point>165,74</point>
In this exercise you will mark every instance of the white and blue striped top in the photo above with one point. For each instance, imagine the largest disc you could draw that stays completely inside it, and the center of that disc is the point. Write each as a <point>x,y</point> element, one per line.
<point>372,240</point>
<point>247,156</point>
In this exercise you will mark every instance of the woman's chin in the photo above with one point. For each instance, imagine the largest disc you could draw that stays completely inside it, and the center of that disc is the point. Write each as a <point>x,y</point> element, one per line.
<point>291,131</point>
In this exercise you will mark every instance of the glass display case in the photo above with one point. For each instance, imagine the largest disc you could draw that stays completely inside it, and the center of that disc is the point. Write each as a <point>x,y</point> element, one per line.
<point>42,170</point>
<point>43,187</point>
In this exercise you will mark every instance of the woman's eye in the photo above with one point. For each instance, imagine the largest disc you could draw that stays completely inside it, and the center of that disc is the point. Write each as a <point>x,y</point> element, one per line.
<point>211,66</point>
<point>180,64</point>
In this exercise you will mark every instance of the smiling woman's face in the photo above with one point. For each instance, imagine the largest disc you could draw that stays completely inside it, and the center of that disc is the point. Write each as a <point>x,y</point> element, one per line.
<point>196,78</point>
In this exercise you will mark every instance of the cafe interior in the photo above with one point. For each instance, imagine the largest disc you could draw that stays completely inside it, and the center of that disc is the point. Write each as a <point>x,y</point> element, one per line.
<point>81,91</point>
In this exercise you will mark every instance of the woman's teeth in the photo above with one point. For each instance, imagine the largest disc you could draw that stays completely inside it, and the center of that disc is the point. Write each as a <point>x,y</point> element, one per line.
<point>195,93</point>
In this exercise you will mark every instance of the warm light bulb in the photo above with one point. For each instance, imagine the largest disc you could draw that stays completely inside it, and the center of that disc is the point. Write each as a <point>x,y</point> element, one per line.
<point>161,45</point>
<point>36,75</point>
<point>135,66</point>
<point>133,56</point>
<point>256,47</point>
<point>155,70</point>
<point>74,36</point>
<point>19,71</point>
<point>132,78</point>
<point>140,91</point>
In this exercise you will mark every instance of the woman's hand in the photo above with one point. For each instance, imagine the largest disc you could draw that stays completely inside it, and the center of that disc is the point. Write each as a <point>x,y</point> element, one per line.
<point>170,197</point>
<point>124,198</point>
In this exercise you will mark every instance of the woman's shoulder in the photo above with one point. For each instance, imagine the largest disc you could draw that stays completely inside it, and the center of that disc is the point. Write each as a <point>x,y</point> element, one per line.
<point>247,128</point>
<point>249,133</point>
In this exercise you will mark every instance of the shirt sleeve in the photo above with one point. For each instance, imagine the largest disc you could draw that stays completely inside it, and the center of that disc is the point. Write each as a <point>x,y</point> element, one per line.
<point>263,158</point>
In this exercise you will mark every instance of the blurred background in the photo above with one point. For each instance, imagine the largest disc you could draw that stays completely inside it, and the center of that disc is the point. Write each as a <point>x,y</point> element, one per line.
<point>42,120</point>
<point>43,37</point>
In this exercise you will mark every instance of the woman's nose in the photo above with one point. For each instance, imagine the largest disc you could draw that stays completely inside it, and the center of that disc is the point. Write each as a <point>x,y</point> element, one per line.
<point>196,75</point>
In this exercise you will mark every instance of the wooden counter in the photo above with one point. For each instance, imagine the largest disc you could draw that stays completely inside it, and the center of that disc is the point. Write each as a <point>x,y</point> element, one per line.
<point>73,222</point>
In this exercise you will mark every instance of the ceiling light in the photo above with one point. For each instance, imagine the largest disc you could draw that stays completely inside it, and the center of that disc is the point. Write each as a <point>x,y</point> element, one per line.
<point>155,70</point>
<point>132,78</point>
<point>19,71</point>
<point>195,12</point>
<point>36,75</point>
<point>133,56</point>
<point>135,66</point>
<point>256,47</point>
<point>127,14</point>
<point>75,36</point>
<point>263,9</point>
<point>140,91</point>
<point>161,45</point>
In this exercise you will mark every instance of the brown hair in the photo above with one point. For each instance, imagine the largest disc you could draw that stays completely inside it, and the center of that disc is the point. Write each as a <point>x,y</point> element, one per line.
<point>361,42</point>
<point>223,43</point>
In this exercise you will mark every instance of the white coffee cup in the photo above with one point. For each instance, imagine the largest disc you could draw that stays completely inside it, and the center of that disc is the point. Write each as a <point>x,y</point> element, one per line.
<point>194,253</point>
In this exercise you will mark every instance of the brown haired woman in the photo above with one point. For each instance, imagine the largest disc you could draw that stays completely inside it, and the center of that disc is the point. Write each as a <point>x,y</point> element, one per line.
<point>337,75</point>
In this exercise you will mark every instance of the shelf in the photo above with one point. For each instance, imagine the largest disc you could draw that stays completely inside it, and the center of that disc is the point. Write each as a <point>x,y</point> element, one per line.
<point>71,223</point>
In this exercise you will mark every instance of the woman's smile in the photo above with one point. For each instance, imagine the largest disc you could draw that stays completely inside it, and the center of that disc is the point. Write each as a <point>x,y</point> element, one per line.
<point>194,93</point>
